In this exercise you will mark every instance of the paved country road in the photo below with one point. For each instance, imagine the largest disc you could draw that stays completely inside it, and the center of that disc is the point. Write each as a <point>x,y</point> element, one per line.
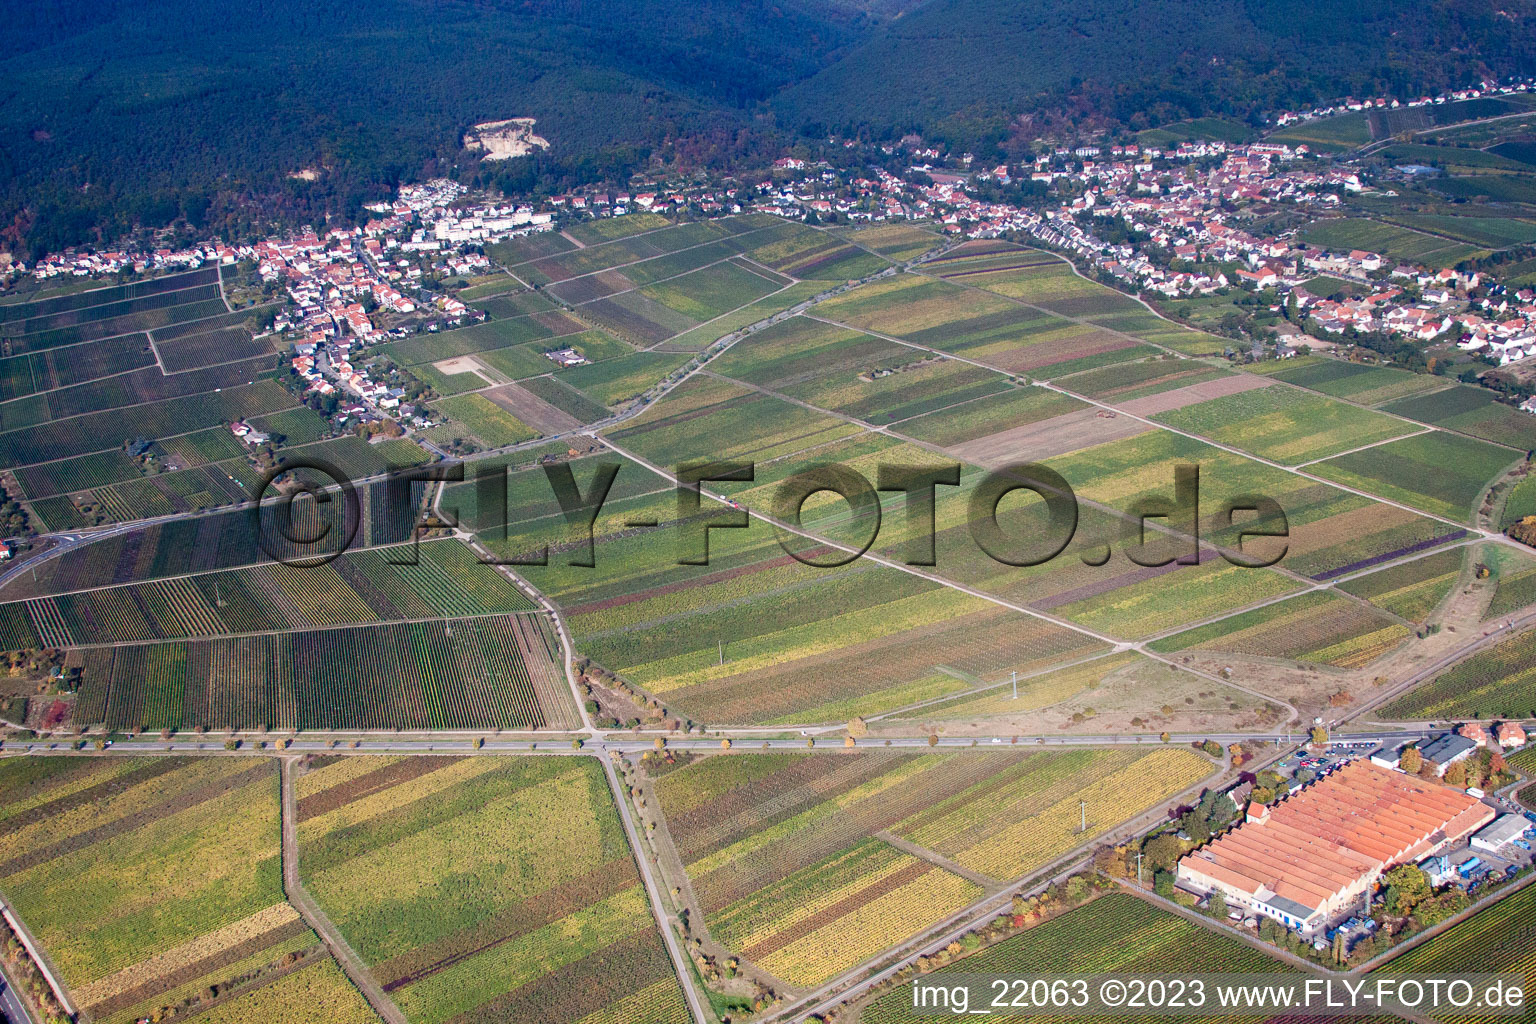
<point>11,1005</point>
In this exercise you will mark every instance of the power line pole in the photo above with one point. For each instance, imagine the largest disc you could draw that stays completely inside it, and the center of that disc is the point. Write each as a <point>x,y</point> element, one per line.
<point>1138,867</point>
<point>1015,684</point>
<point>1082,805</point>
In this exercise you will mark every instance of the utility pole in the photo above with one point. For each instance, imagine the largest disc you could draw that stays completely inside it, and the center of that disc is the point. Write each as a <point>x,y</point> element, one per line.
<point>1082,806</point>
<point>1138,867</point>
<point>722,652</point>
<point>1015,684</point>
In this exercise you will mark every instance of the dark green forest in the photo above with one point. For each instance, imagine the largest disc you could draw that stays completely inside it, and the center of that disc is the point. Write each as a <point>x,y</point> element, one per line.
<point>116,115</point>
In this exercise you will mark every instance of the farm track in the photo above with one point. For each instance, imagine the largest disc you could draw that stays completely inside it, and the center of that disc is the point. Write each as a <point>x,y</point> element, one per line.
<point>346,957</point>
<point>977,912</point>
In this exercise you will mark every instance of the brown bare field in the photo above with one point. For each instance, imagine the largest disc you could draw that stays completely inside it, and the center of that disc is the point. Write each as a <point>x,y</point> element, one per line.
<point>464,364</point>
<point>559,323</point>
<point>1178,398</point>
<point>532,409</point>
<point>593,286</point>
<point>1045,354</point>
<point>1047,438</point>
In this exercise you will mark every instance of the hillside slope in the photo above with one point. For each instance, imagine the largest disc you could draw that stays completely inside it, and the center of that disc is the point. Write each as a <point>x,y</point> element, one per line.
<point>1153,61</point>
<point>117,113</point>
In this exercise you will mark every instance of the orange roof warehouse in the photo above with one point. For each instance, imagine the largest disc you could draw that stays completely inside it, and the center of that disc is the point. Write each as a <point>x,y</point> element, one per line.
<point>1308,857</point>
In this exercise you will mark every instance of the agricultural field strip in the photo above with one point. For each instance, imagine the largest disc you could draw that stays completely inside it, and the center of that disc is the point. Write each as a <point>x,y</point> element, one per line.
<point>1310,583</point>
<point>1083,321</point>
<point>122,408</point>
<point>293,887</point>
<point>938,450</point>
<point>1486,534</point>
<point>647,259</point>
<point>124,334</point>
<point>192,369</point>
<point>727,313</point>
<point>1364,447</point>
<point>686,248</point>
<point>124,373</point>
<point>1383,412</point>
<point>662,280</point>
<point>986,688</point>
<point>942,408</point>
<point>1312,588</point>
<point>1144,341</point>
<point>1117,644</point>
<point>620,238</point>
<point>98,305</point>
<point>309,628</point>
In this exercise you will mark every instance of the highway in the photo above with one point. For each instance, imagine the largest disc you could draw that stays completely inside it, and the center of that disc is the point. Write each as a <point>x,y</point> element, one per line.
<point>11,1005</point>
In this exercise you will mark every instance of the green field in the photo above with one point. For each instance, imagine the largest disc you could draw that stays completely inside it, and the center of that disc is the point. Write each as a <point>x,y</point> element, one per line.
<point>1206,128</point>
<point>1398,243</point>
<point>854,374</point>
<point>1514,580</point>
<point>483,419</point>
<point>1441,473</point>
<point>1414,589</point>
<point>989,414</point>
<point>1329,134</point>
<point>1284,424</point>
<point>718,419</point>
<point>1357,382</point>
<point>618,380</point>
<point>712,291</point>
<point>897,240</point>
<point>109,428</point>
<point>1470,410</point>
<point>1499,682</point>
<point>1520,502</point>
<point>490,672</point>
<point>981,326</point>
<point>1129,381</point>
<point>1115,934</point>
<point>361,586</point>
<point>706,334</point>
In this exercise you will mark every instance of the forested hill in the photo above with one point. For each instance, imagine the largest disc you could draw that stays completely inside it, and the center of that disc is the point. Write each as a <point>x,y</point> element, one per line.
<point>127,107</point>
<point>962,66</point>
<point>116,113</point>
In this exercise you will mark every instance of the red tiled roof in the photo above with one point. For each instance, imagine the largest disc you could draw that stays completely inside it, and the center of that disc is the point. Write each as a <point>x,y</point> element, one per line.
<point>1360,819</point>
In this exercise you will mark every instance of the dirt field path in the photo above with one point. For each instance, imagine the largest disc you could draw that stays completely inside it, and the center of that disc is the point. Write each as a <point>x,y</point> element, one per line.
<point>346,956</point>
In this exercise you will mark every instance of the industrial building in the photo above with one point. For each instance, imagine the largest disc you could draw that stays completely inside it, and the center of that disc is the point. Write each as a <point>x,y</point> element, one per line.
<point>1501,833</point>
<point>1309,857</point>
